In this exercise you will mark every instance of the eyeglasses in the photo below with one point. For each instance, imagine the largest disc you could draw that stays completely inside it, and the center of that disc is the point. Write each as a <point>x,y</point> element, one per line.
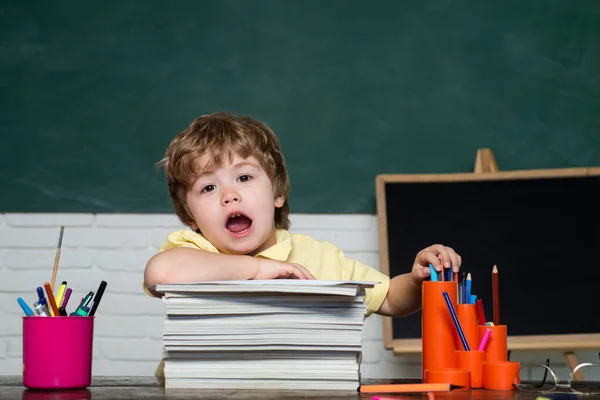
<point>543,380</point>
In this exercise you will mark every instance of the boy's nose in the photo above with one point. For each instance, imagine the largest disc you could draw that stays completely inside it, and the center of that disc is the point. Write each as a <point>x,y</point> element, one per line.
<point>229,197</point>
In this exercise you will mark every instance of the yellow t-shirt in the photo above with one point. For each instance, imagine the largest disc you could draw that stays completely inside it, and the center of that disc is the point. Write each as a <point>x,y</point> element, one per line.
<point>323,259</point>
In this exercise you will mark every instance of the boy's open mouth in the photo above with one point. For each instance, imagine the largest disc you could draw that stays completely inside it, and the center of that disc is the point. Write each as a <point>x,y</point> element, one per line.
<point>238,223</point>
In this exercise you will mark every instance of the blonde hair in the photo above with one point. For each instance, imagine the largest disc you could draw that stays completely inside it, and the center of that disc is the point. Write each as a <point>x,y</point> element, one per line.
<point>221,134</point>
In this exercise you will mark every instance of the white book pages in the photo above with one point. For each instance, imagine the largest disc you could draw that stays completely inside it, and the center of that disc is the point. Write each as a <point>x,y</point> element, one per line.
<point>259,373</point>
<point>233,321</point>
<point>342,288</point>
<point>188,347</point>
<point>283,364</point>
<point>253,356</point>
<point>190,327</point>
<point>271,384</point>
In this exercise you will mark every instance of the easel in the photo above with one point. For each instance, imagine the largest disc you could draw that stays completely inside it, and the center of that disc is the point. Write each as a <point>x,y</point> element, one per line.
<point>486,163</point>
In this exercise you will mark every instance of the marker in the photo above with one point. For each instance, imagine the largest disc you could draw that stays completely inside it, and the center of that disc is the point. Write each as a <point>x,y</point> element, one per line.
<point>485,339</point>
<point>62,312</point>
<point>60,294</point>
<point>473,299</point>
<point>81,312</point>
<point>41,309</point>
<point>66,298</point>
<point>97,299</point>
<point>86,300</point>
<point>433,273</point>
<point>53,308</point>
<point>25,307</point>
<point>41,298</point>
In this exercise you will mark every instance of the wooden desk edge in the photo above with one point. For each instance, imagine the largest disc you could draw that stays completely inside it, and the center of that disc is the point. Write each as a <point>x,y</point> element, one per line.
<point>541,342</point>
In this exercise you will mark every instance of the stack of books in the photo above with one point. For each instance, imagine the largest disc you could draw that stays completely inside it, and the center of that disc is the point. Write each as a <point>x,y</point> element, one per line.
<point>273,334</point>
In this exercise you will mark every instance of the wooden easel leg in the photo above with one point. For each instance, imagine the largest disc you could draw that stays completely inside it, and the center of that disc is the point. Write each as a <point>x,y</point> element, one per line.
<point>572,362</point>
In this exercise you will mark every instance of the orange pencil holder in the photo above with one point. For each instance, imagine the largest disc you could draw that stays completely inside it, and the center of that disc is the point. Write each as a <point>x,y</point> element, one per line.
<point>496,349</point>
<point>501,375</point>
<point>438,330</point>
<point>453,376</point>
<point>467,316</point>
<point>473,362</point>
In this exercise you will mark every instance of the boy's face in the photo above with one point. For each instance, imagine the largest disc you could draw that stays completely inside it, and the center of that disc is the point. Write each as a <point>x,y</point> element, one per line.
<point>234,206</point>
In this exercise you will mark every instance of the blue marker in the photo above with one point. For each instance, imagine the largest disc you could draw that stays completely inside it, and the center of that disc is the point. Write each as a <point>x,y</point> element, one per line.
<point>41,299</point>
<point>433,274</point>
<point>25,307</point>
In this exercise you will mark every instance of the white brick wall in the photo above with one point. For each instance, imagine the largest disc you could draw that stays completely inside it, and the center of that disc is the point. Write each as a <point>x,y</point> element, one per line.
<point>115,248</point>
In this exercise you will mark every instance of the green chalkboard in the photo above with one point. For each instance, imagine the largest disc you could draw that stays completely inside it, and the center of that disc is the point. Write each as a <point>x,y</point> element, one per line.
<point>93,91</point>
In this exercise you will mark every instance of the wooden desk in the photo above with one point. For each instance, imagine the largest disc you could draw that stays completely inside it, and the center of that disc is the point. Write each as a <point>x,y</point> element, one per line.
<point>142,387</point>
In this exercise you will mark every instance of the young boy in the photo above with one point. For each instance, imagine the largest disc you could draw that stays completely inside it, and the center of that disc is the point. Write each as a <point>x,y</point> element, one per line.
<point>228,182</point>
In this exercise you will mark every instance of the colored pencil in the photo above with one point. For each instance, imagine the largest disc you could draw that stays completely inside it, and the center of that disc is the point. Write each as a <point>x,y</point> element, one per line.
<point>461,334</point>
<point>56,258</point>
<point>480,312</point>
<point>468,288</point>
<point>51,300</point>
<point>407,388</point>
<point>496,292</point>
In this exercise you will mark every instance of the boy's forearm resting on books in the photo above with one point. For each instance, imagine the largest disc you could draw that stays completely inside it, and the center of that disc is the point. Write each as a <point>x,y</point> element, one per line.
<point>403,298</point>
<point>183,264</point>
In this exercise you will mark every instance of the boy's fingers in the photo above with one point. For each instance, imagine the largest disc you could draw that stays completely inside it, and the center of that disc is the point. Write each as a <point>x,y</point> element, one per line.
<point>427,257</point>
<point>422,273</point>
<point>306,273</point>
<point>455,258</point>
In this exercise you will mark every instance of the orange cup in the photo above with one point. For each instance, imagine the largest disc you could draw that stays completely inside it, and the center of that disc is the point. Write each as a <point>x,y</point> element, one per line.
<point>500,375</point>
<point>496,348</point>
<point>472,361</point>
<point>467,316</point>
<point>453,376</point>
<point>438,330</point>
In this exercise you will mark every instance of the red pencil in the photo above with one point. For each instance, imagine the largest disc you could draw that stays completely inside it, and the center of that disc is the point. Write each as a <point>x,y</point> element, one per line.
<point>480,313</point>
<point>496,294</point>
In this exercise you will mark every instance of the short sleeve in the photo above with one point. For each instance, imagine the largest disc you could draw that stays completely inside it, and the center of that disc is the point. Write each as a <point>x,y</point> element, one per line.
<point>375,296</point>
<point>184,238</point>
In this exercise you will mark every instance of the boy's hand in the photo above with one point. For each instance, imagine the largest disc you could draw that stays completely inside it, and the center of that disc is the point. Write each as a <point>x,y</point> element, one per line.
<point>273,269</point>
<point>434,255</point>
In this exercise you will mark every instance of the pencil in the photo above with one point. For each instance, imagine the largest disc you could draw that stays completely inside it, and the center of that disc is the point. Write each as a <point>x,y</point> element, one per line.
<point>496,293</point>
<point>51,300</point>
<point>56,258</point>
<point>407,388</point>
<point>461,334</point>
<point>480,312</point>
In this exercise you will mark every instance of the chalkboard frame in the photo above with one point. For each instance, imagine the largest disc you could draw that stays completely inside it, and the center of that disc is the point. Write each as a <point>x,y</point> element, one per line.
<point>567,342</point>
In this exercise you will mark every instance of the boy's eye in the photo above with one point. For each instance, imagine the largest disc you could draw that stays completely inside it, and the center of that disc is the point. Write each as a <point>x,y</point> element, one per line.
<point>244,178</point>
<point>208,188</point>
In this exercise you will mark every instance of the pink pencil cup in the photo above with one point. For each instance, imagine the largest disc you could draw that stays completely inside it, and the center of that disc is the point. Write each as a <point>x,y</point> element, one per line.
<point>57,352</point>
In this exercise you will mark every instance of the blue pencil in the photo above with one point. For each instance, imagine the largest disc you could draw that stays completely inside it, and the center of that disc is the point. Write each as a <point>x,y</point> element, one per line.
<point>469,282</point>
<point>456,322</point>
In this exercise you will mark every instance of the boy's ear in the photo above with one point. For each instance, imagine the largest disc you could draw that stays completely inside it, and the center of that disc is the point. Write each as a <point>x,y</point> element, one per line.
<point>279,201</point>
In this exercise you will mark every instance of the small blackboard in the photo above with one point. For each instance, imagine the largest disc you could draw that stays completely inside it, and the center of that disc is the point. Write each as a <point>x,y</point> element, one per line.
<point>540,227</point>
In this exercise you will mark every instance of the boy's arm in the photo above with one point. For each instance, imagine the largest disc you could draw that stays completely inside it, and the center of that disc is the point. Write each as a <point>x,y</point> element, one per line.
<point>403,298</point>
<point>404,295</point>
<point>183,264</point>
